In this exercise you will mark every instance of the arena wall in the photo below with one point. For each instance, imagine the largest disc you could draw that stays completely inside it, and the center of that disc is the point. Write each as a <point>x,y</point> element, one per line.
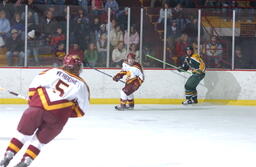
<point>160,86</point>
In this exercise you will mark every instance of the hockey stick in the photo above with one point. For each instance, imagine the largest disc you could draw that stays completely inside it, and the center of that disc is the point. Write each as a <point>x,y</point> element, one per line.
<point>173,66</point>
<point>13,93</point>
<point>102,72</point>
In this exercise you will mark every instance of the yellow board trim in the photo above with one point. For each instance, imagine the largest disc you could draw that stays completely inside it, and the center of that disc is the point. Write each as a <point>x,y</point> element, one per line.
<point>14,147</point>
<point>149,101</point>
<point>176,101</point>
<point>31,154</point>
<point>13,101</point>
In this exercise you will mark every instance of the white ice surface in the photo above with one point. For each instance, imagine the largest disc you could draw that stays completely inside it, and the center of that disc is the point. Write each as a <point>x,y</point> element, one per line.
<point>150,136</point>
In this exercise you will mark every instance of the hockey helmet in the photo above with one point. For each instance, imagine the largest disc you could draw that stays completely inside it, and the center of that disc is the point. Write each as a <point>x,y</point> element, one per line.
<point>131,55</point>
<point>72,61</point>
<point>189,48</point>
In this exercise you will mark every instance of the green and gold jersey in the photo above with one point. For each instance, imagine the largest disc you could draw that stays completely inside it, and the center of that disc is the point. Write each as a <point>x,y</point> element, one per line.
<point>195,63</point>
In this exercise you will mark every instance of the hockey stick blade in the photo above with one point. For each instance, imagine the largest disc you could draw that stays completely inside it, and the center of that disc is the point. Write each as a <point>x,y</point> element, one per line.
<point>13,93</point>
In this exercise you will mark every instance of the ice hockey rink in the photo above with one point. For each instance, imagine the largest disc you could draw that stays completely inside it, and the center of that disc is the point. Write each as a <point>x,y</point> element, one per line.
<point>202,135</point>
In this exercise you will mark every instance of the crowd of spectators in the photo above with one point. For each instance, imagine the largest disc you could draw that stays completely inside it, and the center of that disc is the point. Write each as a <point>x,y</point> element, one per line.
<point>88,32</point>
<point>182,31</point>
<point>47,32</point>
<point>205,3</point>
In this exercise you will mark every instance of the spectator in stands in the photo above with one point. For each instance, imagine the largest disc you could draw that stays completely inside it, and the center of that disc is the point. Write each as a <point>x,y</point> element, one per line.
<point>84,5</point>
<point>116,35</point>
<point>102,30</point>
<point>55,11</point>
<point>162,13</point>
<point>91,55</point>
<point>241,61</point>
<point>15,47</point>
<point>180,45</point>
<point>118,55</point>
<point>133,49</point>
<point>122,18</point>
<point>134,37</point>
<point>61,18</point>
<point>178,15</point>
<point>113,24</point>
<point>4,24</point>
<point>97,6</point>
<point>48,26</point>
<point>80,29</point>
<point>214,52</point>
<point>57,37</point>
<point>33,18</point>
<point>18,24</point>
<point>102,49</point>
<point>191,28</point>
<point>59,54</point>
<point>75,49</point>
<point>113,5</point>
<point>95,27</point>
<point>33,46</point>
<point>8,7</point>
<point>173,32</point>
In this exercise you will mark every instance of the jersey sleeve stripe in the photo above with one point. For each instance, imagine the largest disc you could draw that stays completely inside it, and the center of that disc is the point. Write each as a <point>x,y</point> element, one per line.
<point>78,111</point>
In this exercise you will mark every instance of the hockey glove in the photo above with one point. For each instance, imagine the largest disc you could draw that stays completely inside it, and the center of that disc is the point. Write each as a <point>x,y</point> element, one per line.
<point>117,77</point>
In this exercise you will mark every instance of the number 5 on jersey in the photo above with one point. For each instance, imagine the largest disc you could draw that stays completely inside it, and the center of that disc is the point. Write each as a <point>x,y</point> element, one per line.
<point>60,87</point>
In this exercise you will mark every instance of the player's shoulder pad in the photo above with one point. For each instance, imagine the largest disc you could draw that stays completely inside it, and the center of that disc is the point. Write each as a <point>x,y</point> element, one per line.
<point>137,65</point>
<point>197,56</point>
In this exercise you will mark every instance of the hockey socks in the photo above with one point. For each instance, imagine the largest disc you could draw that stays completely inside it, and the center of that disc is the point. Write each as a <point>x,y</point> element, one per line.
<point>30,154</point>
<point>14,146</point>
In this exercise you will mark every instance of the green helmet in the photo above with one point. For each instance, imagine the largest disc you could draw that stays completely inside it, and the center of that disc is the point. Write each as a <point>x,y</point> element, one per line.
<point>189,48</point>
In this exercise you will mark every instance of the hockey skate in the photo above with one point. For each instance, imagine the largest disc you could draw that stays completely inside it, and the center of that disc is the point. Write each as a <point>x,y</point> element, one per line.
<point>194,99</point>
<point>129,107</point>
<point>189,101</point>
<point>7,158</point>
<point>27,161</point>
<point>120,108</point>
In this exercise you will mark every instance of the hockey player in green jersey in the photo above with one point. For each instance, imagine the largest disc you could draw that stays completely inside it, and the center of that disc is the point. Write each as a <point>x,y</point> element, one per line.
<point>196,64</point>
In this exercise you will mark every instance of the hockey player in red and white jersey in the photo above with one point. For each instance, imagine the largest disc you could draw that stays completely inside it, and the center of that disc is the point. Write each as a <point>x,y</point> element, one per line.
<point>54,96</point>
<point>135,77</point>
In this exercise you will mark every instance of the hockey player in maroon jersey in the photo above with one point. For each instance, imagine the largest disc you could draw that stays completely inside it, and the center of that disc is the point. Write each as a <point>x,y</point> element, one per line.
<point>135,78</point>
<point>54,96</point>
